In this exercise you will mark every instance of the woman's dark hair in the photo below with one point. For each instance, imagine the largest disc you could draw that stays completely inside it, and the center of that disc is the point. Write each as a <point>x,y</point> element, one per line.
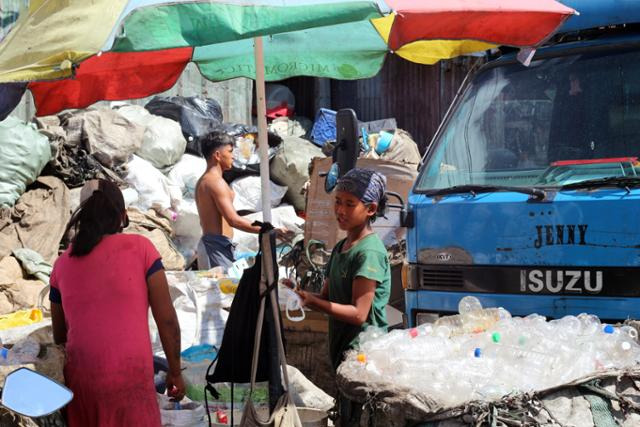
<point>100,214</point>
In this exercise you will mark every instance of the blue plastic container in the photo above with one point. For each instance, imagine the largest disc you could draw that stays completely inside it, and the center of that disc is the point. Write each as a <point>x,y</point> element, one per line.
<point>324,128</point>
<point>199,353</point>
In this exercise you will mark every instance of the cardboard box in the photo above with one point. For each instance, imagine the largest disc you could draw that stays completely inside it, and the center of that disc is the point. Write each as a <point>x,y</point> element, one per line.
<point>314,321</point>
<point>321,222</point>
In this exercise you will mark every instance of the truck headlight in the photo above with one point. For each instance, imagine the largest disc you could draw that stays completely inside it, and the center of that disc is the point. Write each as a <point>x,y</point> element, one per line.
<point>409,275</point>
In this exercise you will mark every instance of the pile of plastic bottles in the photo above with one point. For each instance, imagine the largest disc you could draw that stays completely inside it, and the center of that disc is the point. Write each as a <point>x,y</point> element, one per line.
<point>485,354</point>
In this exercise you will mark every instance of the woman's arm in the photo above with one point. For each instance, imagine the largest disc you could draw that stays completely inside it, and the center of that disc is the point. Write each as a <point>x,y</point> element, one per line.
<point>168,328</point>
<point>58,324</point>
<point>356,313</point>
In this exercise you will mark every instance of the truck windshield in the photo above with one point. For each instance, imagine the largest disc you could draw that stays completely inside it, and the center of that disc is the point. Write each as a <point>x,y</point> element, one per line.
<point>559,121</point>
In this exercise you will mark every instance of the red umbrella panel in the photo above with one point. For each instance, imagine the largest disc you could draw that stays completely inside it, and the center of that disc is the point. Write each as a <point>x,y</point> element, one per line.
<point>519,23</point>
<point>112,76</point>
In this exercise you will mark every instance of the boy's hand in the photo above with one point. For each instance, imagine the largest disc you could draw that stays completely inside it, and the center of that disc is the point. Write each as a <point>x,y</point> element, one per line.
<point>288,283</point>
<point>284,233</point>
<point>306,297</point>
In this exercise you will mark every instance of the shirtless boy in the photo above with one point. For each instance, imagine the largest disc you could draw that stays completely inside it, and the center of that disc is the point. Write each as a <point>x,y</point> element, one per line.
<point>214,199</point>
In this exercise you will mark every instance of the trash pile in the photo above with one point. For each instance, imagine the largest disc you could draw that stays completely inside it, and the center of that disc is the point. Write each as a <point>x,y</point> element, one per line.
<point>153,154</point>
<point>485,354</point>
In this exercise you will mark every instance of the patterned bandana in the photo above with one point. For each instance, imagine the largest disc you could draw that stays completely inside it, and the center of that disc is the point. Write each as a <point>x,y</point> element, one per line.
<point>367,185</point>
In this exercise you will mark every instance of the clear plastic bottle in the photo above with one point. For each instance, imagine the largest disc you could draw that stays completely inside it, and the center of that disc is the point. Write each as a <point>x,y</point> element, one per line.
<point>590,323</point>
<point>630,332</point>
<point>468,304</point>
<point>473,321</point>
<point>534,364</point>
<point>452,365</point>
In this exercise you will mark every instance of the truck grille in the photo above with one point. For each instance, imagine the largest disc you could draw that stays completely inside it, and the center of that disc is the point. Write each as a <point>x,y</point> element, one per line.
<point>441,278</point>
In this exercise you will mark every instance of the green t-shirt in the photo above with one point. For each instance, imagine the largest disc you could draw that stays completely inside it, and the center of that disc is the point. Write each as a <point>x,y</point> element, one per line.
<point>368,258</point>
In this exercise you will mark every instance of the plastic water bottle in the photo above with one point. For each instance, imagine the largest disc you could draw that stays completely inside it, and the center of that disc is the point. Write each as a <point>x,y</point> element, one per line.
<point>590,323</point>
<point>473,321</point>
<point>630,332</point>
<point>468,304</point>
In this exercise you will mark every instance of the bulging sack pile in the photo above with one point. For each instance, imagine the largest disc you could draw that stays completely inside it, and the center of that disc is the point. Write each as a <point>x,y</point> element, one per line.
<point>485,354</point>
<point>163,143</point>
<point>23,154</point>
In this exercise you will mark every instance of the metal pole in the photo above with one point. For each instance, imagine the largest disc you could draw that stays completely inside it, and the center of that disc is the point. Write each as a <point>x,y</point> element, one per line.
<point>263,147</point>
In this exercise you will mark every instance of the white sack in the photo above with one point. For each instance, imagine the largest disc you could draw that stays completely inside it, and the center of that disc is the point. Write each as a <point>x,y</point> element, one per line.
<point>190,414</point>
<point>187,228</point>
<point>283,216</point>
<point>305,393</point>
<point>249,194</point>
<point>199,305</point>
<point>152,186</point>
<point>186,173</point>
<point>163,143</point>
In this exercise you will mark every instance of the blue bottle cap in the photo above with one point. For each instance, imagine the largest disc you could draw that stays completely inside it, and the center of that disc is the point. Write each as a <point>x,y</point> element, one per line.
<point>608,329</point>
<point>477,352</point>
<point>3,352</point>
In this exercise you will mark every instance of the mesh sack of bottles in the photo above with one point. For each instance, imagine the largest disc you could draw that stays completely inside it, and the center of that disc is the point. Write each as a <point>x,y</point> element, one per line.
<point>485,367</point>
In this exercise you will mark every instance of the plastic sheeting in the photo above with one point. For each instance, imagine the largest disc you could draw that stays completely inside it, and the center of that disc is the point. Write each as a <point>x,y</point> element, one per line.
<point>197,115</point>
<point>10,96</point>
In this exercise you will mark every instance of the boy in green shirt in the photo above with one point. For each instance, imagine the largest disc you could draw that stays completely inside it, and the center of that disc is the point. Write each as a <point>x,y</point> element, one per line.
<point>358,273</point>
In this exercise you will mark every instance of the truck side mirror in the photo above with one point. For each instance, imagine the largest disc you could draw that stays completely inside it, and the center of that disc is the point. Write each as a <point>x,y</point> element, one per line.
<point>345,153</point>
<point>32,394</point>
<point>406,216</point>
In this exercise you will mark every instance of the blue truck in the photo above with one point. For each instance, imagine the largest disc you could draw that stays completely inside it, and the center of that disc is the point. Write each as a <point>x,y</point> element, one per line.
<point>529,194</point>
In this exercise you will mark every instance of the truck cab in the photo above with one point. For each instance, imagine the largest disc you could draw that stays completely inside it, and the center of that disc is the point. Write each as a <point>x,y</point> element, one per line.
<point>529,195</point>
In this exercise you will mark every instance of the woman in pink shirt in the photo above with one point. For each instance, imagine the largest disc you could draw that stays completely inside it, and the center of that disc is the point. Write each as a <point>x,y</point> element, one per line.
<point>101,290</point>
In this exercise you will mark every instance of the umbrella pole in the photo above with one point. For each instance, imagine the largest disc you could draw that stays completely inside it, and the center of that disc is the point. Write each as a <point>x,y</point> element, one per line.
<point>263,147</point>
<point>275,387</point>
